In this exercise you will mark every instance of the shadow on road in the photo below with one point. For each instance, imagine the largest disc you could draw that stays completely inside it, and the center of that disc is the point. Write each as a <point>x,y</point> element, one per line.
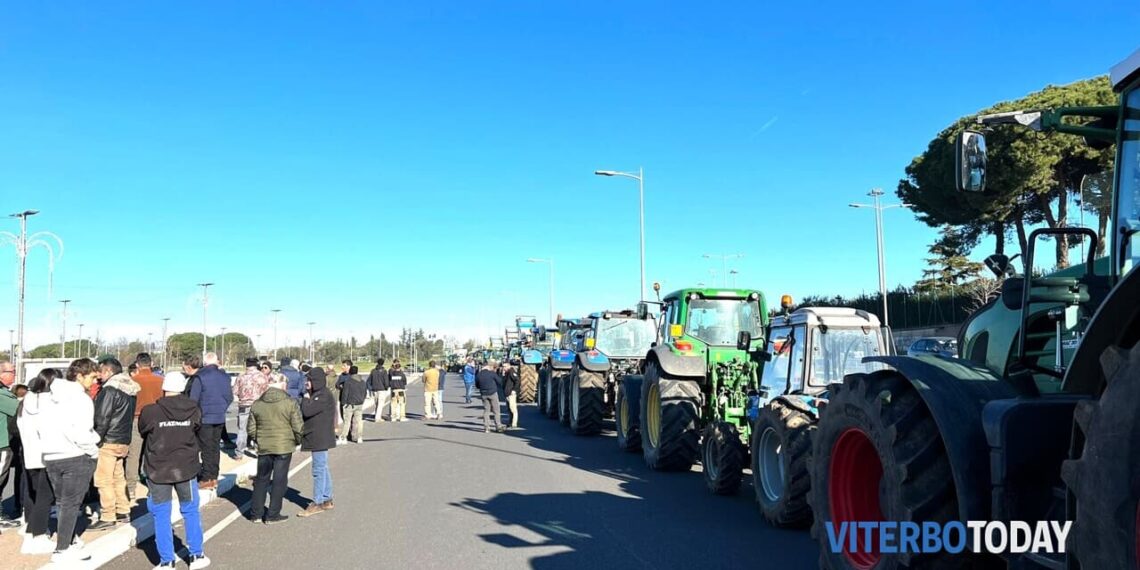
<point>656,520</point>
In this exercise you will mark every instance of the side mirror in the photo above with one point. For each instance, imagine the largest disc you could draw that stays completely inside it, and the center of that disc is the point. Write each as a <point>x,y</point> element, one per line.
<point>970,162</point>
<point>743,340</point>
<point>642,311</point>
<point>998,263</point>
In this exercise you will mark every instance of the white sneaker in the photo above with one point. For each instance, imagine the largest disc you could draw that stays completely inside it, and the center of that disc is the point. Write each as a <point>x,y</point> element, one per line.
<point>41,544</point>
<point>198,562</point>
<point>73,554</point>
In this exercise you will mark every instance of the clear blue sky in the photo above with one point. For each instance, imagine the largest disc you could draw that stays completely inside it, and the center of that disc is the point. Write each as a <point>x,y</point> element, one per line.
<point>368,165</point>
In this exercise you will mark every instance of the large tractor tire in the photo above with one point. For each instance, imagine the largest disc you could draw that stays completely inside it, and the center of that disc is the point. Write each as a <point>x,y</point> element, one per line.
<point>528,384</point>
<point>878,456</point>
<point>565,381</point>
<point>553,382</point>
<point>540,391</point>
<point>781,451</point>
<point>1103,479</point>
<point>627,413</point>
<point>723,457</point>
<point>670,411</point>
<point>587,402</point>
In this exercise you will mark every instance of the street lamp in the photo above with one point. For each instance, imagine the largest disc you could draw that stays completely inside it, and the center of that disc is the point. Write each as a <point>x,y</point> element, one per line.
<point>149,341</point>
<point>79,343</point>
<point>205,307</point>
<point>550,262</point>
<point>640,178</point>
<point>311,353</point>
<point>876,193</point>
<point>222,356</point>
<point>24,243</point>
<point>275,311</point>
<point>63,332</point>
<point>165,323</point>
<point>724,257</point>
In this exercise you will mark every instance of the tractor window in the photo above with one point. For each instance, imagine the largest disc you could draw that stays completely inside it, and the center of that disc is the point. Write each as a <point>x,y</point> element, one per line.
<point>781,341</point>
<point>1128,189</point>
<point>719,321</point>
<point>839,352</point>
<point>624,337</point>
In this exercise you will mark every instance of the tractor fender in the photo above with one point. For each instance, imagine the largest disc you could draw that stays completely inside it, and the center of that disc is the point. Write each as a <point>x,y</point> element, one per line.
<point>532,357</point>
<point>678,365</point>
<point>593,361</point>
<point>561,359</point>
<point>955,391</point>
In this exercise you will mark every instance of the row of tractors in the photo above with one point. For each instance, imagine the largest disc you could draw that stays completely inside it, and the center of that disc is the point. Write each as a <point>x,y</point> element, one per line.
<point>1037,420</point>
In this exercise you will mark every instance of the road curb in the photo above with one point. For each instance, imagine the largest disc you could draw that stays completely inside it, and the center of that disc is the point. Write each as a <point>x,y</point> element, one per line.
<point>119,541</point>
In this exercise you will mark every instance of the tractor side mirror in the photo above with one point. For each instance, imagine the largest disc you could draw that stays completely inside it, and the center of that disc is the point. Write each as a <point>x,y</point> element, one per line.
<point>642,311</point>
<point>743,340</point>
<point>970,162</point>
<point>998,263</point>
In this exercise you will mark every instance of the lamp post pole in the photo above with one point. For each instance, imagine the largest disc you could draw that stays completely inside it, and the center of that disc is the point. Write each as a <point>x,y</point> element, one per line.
<point>205,308</point>
<point>79,343</point>
<point>312,353</point>
<point>222,356</point>
<point>550,262</point>
<point>165,322</point>
<point>63,332</point>
<point>275,313</point>
<point>640,178</point>
<point>723,257</point>
<point>876,194</point>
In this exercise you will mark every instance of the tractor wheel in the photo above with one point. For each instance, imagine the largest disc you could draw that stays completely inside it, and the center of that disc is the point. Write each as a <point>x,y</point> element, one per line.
<point>627,413</point>
<point>565,381</point>
<point>877,455</point>
<point>540,392</point>
<point>553,382</point>
<point>670,410</point>
<point>528,383</point>
<point>1106,529</point>
<point>723,457</point>
<point>781,448</point>
<point>587,402</point>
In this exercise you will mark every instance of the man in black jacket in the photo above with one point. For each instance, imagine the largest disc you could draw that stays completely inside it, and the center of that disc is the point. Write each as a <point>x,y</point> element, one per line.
<point>318,410</point>
<point>169,428</point>
<point>487,381</point>
<point>511,391</point>
<point>399,383</point>
<point>378,384</point>
<point>114,422</point>
<point>353,392</point>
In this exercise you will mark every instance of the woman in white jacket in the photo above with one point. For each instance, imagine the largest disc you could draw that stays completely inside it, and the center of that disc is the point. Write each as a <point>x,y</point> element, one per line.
<point>29,419</point>
<point>70,446</point>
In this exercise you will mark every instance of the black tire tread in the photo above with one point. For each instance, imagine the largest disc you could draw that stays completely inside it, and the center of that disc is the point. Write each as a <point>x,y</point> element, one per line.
<point>528,384</point>
<point>730,455</point>
<point>680,439</point>
<point>631,440</point>
<point>795,429</point>
<point>591,410</point>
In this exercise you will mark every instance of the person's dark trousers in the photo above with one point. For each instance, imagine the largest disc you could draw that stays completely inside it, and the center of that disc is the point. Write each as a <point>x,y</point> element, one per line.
<point>38,499</point>
<point>134,460</point>
<point>208,436</point>
<point>70,479</point>
<point>272,476</point>
<point>491,409</point>
<point>8,462</point>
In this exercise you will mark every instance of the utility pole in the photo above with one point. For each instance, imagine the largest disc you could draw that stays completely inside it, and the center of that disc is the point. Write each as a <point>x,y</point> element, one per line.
<point>222,356</point>
<point>275,313</point>
<point>63,332</point>
<point>876,194</point>
<point>79,343</point>
<point>165,322</point>
<point>205,308</point>
<point>312,352</point>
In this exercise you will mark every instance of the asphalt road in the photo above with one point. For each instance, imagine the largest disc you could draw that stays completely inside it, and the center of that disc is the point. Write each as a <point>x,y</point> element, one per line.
<point>446,495</point>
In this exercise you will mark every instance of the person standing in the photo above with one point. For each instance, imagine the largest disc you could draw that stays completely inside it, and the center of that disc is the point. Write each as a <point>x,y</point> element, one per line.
<point>318,412</point>
<point>213,393</point>
<point>353,393</point>
<point>169,426</point>
<point>150,390</point>
<point>9,448</point>
<point>275,424</point>
<point>70,447</point>
<point>248,387</point>
<point>511,391</point>
<point>296,380</point>
<point>114,420</point>
<point>488,383</point>
<point>399,383</point>
<point>37,488</point>
<point>469,372</point>
<point>442,377</point>
<point>378,384</point>
<point>432,408</point>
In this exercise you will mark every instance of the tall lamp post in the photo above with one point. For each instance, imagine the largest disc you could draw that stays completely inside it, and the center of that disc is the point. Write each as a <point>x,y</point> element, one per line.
<point>311,352</point>
<point>165,323</point>
<point>24,243</point>
<point>222,356</point>
<point>63,332</point>
<point>640,178</point>
<point>723,257</point>
<point>876,194</point>
<point>79,343</point>
<point>275,312</point>
<point>550,262</point>
<point>205,308</point>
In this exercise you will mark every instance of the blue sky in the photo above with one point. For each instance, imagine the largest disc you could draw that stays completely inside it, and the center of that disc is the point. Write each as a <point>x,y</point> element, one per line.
<point>373,165</point>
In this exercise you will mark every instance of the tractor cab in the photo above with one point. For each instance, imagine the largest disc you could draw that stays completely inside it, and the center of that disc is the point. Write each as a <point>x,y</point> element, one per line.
<point>711,322</point>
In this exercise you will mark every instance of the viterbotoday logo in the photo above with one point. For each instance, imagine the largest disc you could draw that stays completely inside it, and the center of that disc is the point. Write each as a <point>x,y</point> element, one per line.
<point>894,537</point>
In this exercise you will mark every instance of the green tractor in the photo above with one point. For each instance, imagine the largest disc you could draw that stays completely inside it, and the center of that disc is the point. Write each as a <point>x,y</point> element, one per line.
<point>811,348</point>
<point>613,347</point>
<point>698,382</point>
<point>1037,421</point>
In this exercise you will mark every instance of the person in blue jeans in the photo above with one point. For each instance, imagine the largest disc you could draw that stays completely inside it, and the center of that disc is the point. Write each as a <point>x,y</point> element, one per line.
<point>169,428</point>
<point>469,372</point>
<point>318,436</point>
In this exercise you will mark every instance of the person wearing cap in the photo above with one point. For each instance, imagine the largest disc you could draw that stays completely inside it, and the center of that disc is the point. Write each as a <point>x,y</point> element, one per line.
<point>170,431</point>
<point>399,383</point>
<point>318,436</point>
<point>275,424</point>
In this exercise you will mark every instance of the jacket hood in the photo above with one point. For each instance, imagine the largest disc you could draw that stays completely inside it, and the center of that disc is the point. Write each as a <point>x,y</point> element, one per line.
<point>179,408</point>
<point>62,390</point>
<point>32,405</point>
<point>124,383</point>
<point>318,380</point>
<point>274,394</point>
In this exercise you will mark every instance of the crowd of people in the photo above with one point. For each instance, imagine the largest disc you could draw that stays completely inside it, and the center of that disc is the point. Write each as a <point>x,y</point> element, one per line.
<point>93,432</point>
